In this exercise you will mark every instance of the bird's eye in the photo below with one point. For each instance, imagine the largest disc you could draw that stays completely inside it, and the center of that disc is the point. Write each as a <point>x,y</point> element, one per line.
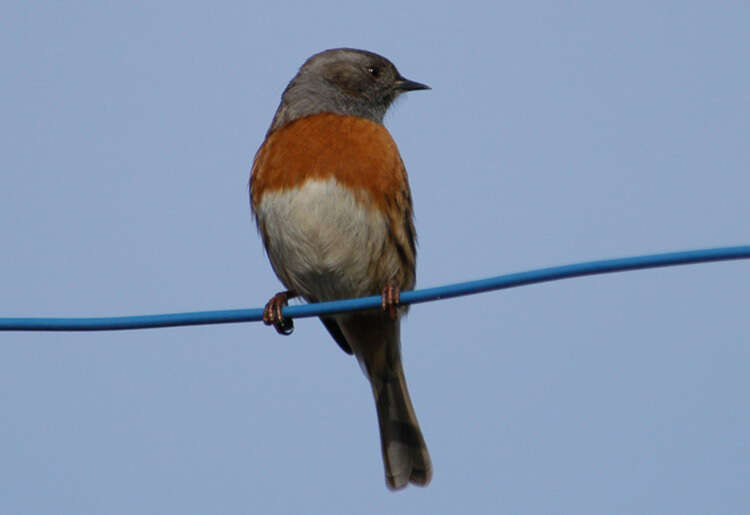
<point>374,71</point>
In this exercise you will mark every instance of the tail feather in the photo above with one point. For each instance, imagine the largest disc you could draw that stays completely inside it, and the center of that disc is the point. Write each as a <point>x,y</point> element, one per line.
<point>405,454</point>
<point>375,340</point>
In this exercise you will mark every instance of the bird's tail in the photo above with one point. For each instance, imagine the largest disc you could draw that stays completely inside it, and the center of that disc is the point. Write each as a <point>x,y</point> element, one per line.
<point>404,452</point>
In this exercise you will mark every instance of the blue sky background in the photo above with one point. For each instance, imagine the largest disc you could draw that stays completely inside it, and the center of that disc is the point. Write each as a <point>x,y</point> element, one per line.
<point>555,133</point>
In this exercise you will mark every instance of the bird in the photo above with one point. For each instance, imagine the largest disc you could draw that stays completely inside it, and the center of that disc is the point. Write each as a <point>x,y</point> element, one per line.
<point>331,200</point>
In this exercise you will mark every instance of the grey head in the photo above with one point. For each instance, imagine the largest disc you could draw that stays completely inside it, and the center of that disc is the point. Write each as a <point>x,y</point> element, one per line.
<point>343,81</point>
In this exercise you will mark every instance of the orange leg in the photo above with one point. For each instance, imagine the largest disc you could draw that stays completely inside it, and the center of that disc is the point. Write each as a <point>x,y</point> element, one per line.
<point>272,313</point>
<point>390,298</point>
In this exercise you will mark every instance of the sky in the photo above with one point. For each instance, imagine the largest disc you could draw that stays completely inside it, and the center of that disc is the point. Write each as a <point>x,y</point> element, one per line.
<point>555,133</point>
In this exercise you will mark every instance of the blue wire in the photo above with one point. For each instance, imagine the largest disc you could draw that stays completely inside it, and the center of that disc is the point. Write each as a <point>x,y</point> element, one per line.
<point>410,297</point>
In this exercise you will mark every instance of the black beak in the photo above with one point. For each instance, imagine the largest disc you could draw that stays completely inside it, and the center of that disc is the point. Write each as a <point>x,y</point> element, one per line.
<point>403,84</point>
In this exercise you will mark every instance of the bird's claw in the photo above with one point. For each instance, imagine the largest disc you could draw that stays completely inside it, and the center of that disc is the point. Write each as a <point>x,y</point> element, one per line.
<point>272,313</point>
<point>391,297</point>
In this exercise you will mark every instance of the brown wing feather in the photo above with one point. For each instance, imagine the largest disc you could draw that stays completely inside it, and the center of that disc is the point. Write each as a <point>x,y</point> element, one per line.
<point>335,331</point>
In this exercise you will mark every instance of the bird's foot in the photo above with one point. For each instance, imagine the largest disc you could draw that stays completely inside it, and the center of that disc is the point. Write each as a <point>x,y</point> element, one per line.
<point>272,313</point>
<point>391,297</point>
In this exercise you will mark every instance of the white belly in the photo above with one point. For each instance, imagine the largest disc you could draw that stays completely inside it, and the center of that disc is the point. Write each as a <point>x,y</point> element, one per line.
<point>322,243</point>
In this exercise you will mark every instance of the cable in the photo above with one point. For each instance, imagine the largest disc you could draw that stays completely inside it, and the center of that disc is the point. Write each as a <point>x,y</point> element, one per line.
<point>410,297</point>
